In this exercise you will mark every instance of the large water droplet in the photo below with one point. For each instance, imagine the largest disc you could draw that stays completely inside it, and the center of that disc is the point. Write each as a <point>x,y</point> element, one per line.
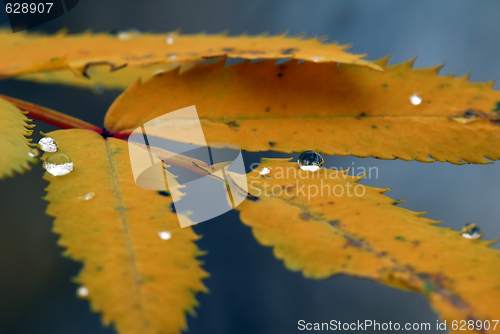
<point>471,231</point>
<point>310,160</point>
<point>170,40</point>
<point>87,196</point>
<point>82,291</point>
<point>128,34</point>
<point>58,164</point>
<point>165,235</point>
<point>264,171</point>
<point>48,144</point>
<point>415,99</point>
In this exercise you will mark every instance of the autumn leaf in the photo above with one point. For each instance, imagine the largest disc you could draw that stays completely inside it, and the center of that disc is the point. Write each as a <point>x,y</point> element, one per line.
<point>324,223</point>
<point>142,281</point>
<point>80,51</point>
<point>15,157</point>
<point>405,113</point>
<point>102,78</point>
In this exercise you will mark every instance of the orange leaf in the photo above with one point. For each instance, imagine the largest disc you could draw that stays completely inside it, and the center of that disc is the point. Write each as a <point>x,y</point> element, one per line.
<point>79,52</point>
<point>324,223</point>
<point>141,282</point>
<point>344,110</point>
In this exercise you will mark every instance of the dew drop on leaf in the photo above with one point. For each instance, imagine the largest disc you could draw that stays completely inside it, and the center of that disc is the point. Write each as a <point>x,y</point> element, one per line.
<point>165,235</point>
<point>33,153</point>
<point>170,40</point>
<point>415,99</point>
<point>128,34</point>
<point>58,164</point>
<point>48,144</point>
<point>264,171</point>
<point>310,161</point>
<point>87,196</point>
<point>82,291</point>
<point>471,231</point>
<point>172,56</point>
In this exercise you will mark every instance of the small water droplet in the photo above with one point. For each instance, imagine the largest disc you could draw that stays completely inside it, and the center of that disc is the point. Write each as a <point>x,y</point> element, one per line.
<point>265,171</point>
<point>98,89</point>
<point>170,40</point>
<point>128,34</point>
<point>316,59</point>
<point>471,231</point>
<point>58,164</point>
<point>82,291</point>
<point>33,153</point>
<point>172,56</point>
<point>165,235</point>
<point>87,196</point>
<point>415,99</point>
<point>467,116</point>
<point>48,144</point>
<point>310,161</point>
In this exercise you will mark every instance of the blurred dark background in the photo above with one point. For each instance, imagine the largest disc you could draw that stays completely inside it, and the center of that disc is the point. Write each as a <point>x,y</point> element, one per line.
<point>251,291</point>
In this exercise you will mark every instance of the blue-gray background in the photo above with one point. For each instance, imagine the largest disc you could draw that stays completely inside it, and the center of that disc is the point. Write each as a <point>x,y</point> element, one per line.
<point>251,291</point>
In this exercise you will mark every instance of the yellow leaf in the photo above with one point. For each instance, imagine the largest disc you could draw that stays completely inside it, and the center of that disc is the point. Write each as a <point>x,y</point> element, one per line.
<point>324,223</point>
<point>101,77</point>
<point>78,52</point>
<point>344,110</point>
<point>15,156</point>
<point>140,282</point>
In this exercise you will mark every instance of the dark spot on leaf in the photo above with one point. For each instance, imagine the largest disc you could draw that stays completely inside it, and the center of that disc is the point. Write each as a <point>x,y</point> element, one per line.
<point>334,223</point>
<point>228,49</point>
<point>351,242</point>
<point>99,268</point>
<point>54,59</point>
<point>385,85</point>
<point>280,75</point>
<point>331,203</point>
<point>268,108</point>
<point>361,115</point>
<point>374,126</point>
<point>233,124</point>
<point>164,193</point>
<point>272,144</point>
<point>400,238</point>
<point>306,216</point>
<point>289,51</point>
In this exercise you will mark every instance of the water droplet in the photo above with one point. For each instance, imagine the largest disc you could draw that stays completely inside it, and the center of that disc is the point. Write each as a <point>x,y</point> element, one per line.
<point>265,171</point>
<point>170,40</point>
<point>48,144</point>
<point>415,99</point>
<point>58,164</point>
<point>87,196</point>
<point>33,153</point>
<point>98,89</point>
<point>310,160</point>
<point>128,34</point>
<point>471,231</point>
<point>172,56</point>
<point>316,59</point>
<point>165,235</point>
<point>82,291</point>
<point>467,116</point>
